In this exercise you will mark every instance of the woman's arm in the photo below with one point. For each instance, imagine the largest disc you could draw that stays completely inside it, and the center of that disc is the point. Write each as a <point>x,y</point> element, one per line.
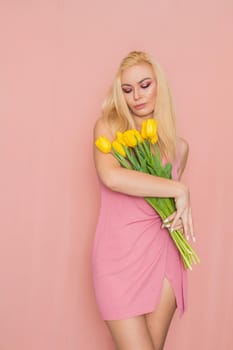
<point>135,183</point>
<point>183,157</point>
<point>128,181</point>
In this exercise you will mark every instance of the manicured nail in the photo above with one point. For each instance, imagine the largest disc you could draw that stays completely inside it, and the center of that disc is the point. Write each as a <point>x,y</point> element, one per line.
<point>168,225</point>
<point>165,220</point>
<point>171,230</point>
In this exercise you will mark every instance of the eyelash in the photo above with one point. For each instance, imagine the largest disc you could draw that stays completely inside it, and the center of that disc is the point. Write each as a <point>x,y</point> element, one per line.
<point>146,86</point>
<point>142,86</point>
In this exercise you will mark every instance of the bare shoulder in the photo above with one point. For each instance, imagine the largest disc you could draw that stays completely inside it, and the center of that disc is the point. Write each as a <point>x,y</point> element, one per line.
<point>105,163</point>
<point>101,129</point>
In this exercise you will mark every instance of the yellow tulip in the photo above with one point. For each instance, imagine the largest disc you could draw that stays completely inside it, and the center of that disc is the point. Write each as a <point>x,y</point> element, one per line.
<point>143,131</point>
<point>120,138</point>
<point>103,144</point>
<point>118,147</point>
<point>138,135</point>
<point>130,138</point>
<point>149,128</point>
<point>154,139</point>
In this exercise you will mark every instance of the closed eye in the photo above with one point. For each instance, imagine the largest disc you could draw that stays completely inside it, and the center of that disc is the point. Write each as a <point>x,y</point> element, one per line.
<point>127,91</point>
<point>144,86</point>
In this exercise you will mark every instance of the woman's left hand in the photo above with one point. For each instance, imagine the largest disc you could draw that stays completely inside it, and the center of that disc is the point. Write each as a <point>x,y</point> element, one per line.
<point>168,221</point>
<point>179,225</point>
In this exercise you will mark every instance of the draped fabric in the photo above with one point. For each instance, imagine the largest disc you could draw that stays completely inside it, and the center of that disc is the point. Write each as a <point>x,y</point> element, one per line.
<point>132,255</point>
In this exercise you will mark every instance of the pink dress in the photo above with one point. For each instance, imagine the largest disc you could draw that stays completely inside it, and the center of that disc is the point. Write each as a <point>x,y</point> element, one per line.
<point>131,256</point>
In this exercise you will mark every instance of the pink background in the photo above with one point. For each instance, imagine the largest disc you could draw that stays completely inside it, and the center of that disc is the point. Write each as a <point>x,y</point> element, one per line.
<point>57,61</point>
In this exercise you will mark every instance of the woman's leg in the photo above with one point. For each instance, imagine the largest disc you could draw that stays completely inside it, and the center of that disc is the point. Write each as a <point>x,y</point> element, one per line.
<point>131,333</point>
<point>159,320</point>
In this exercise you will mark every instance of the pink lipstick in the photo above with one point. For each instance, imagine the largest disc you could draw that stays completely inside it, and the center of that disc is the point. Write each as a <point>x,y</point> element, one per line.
<point>142,105</point>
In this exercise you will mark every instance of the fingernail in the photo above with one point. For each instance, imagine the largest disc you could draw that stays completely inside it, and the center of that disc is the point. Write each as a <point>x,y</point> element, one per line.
<point>168,225</point>
<point>171,230</point>
<point>165,220</point>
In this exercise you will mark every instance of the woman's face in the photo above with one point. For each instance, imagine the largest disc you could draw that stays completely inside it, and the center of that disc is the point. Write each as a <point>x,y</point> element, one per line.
<point>139,87</point>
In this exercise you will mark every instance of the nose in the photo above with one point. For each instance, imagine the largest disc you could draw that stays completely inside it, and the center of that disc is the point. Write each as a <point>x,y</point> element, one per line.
<point>136,94</point>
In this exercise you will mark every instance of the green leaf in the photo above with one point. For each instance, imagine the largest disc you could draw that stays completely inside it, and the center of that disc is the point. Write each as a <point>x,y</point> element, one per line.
<point>168,170</point>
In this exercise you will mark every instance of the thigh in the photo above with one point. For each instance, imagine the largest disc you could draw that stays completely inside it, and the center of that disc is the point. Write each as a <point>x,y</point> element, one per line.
<point>159,320</point>
<point>131,333</point>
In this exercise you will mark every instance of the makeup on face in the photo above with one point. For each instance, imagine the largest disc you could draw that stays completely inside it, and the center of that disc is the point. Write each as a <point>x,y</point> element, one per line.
<point>139,87</point>
<point>144,84</point>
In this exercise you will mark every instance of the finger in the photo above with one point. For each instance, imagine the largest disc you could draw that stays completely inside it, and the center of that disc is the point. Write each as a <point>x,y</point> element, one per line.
<point>169,218</point>
<point>191,226</point>
<point>175,221</point>
<point>166,226</point>
<point>178,226</point>
<point>186,226</point>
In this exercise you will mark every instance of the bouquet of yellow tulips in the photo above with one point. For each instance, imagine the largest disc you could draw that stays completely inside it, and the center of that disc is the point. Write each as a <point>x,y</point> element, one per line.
<point>139,151</point>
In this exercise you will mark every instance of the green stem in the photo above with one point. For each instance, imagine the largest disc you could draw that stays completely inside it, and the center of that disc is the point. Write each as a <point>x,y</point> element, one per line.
<point>141,158</point>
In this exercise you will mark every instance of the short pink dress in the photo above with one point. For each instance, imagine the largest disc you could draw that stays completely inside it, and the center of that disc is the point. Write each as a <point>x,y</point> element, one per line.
<point>131,255</point>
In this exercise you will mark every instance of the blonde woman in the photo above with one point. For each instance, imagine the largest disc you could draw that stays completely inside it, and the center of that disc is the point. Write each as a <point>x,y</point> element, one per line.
<point>138,276</point>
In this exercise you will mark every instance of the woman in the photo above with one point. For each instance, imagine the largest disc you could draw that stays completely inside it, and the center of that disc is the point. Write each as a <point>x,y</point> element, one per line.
<point>138,275</point>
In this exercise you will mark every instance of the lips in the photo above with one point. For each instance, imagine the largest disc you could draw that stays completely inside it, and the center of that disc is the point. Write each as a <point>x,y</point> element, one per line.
<point>142,105</point>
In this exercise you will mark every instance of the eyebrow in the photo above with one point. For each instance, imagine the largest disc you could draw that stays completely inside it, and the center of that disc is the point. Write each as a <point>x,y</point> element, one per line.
<point>139,82</point>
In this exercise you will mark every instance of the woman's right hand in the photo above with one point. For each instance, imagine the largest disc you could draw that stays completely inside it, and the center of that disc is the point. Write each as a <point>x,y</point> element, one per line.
<point>183,212</point>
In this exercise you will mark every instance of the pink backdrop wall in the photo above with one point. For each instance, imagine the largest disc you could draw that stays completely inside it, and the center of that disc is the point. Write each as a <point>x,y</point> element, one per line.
<point>57,60</point>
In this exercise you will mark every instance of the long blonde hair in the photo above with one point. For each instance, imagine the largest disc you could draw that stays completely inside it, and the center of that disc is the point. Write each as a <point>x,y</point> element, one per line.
<point>117,114</point>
